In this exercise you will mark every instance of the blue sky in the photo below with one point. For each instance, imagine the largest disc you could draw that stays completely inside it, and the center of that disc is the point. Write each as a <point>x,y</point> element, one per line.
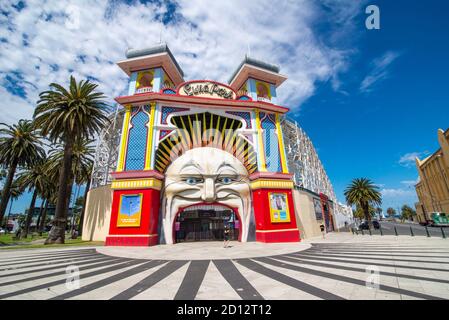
<point>370,100</point>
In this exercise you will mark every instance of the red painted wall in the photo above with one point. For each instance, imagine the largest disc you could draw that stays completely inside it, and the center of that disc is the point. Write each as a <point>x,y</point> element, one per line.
<point>261,205</point>
<point>150,213</point>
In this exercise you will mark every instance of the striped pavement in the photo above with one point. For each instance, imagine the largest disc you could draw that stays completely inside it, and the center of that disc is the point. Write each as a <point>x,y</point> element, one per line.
<point>333,271</point>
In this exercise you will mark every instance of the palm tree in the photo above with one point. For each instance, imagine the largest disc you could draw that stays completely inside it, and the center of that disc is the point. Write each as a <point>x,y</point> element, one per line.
<point>363,193</point>
<point>83,210</point>
<point>407,212</point>
<point>82,163</point>
<point>19,147</point>
<point>391,212</point>
<point>35,179</point>
<point>69,115</point>
<point>14,194</point>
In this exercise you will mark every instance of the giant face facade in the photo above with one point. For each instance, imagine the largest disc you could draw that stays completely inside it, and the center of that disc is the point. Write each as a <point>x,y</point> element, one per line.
<point>205,176</point>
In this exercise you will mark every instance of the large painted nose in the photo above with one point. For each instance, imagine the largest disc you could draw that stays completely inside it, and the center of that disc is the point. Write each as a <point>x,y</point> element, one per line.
<point>209,190</point>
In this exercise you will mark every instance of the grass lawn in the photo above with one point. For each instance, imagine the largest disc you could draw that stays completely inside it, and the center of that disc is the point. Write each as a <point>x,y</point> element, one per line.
<point>7,239</point>
<point>7,242</point>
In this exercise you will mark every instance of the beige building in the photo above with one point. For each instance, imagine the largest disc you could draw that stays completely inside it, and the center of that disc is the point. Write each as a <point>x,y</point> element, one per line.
<point>433,187</point>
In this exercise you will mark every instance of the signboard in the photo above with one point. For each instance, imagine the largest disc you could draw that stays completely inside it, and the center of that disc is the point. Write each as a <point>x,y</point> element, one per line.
<point>206,89</point>
<point>130,210</point>
<point>318,209</point>
<point>279,210</point>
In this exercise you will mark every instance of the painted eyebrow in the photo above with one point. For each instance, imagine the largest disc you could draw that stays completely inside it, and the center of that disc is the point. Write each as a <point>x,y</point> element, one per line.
<point>191,164</point>
<point>225,165</point>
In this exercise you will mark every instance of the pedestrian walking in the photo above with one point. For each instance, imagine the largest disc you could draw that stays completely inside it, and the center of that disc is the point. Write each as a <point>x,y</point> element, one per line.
<point>226,236</point>
<point>322,230</point>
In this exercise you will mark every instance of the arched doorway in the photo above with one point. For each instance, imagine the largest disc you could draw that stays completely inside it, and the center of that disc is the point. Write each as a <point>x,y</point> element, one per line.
<point>206,222</point>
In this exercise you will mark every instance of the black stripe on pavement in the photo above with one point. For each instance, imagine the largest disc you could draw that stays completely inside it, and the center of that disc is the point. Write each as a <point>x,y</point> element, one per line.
<point>53,262</point>
<point>85,261</point>
<point>192,280</point>
<point>47,259</point>
<point>44,255</point>
<point>289,281</point>
<point>345,260</point>
<point>345,279</point>
<point>381,253</point>
<point>48,275</point>
<point>104,282</point>
<point>335,266</point>
<point>82,276</point>
<point>237,281</point>
<point>151,280</point>
<point>366,258</point>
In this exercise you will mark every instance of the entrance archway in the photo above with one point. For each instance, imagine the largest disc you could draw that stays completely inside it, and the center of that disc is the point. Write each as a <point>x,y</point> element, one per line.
<point>206,222</point>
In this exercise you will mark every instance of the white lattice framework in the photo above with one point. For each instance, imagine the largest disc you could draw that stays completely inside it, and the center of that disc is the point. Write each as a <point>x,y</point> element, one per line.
<point>106,155</point>
<point>303,161</point>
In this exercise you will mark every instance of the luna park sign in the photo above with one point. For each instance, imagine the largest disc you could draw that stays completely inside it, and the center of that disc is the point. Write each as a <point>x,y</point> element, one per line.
<point>206,89</point>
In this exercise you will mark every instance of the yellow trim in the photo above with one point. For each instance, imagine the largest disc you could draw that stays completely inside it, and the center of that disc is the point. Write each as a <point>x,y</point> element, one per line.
<point>137,224</point>
<point>281,145</point>
<point>150,137</point>
<point>140,75</point>
<point>278,230</point>
<point>124,142</point>
<point>272,184</point>
<point>273,211</point>
<point>263,165</point>
<point>267,87</point>
<point>124,184</point>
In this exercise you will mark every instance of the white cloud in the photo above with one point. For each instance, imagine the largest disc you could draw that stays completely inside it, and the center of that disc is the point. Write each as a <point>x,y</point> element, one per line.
<point>392,193</point>
<point>379,70</point>
<point>397,197</point>
<point>408,160</point>
<point>49,40</point>
<point>410,182</point>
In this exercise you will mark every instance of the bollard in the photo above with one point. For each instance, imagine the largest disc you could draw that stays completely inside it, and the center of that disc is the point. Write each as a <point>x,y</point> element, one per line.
<point>442,233</point>
<point>380,229</point>
<point>427,231</point>
<point>370,232</point>
<point>395,231</point>
<point>411,232</point>
<point>352,229</point>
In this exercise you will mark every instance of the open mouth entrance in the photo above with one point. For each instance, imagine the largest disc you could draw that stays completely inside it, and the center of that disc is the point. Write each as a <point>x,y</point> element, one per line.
<point>206,223</point>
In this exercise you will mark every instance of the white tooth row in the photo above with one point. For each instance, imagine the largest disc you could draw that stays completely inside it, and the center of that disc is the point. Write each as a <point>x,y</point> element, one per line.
<point>206,207</point>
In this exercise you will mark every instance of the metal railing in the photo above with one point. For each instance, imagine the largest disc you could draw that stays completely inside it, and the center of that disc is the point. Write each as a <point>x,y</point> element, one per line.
<point>436,232</point>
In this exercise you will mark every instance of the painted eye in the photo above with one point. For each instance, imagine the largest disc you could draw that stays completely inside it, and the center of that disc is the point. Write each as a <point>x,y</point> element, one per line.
<point>192,180</point>
<point>226,180</point>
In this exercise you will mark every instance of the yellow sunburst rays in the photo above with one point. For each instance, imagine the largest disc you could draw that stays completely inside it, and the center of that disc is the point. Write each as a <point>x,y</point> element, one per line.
<point>220,142</point>
<point>204,131</point>
<point>197,131</point>
<point>185,137</point>
<point>239,148</point>
<point>209,131</point>
<point>229,132</point>
<point>216,133</point>
<point>168,151</point>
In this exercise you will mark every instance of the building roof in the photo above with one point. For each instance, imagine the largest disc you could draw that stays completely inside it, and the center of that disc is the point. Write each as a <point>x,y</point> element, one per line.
<point>251,67</point>
<point>256,63</point>
<point>159,55</point>
<point>161,48</point>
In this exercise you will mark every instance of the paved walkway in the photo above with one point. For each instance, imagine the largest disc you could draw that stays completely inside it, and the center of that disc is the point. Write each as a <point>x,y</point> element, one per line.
<point>334,268</point>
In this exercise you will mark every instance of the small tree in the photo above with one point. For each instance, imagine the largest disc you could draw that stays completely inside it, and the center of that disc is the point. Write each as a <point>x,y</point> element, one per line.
<point>407,212</point>
<point>363,193</point>
<point>391,212</point>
